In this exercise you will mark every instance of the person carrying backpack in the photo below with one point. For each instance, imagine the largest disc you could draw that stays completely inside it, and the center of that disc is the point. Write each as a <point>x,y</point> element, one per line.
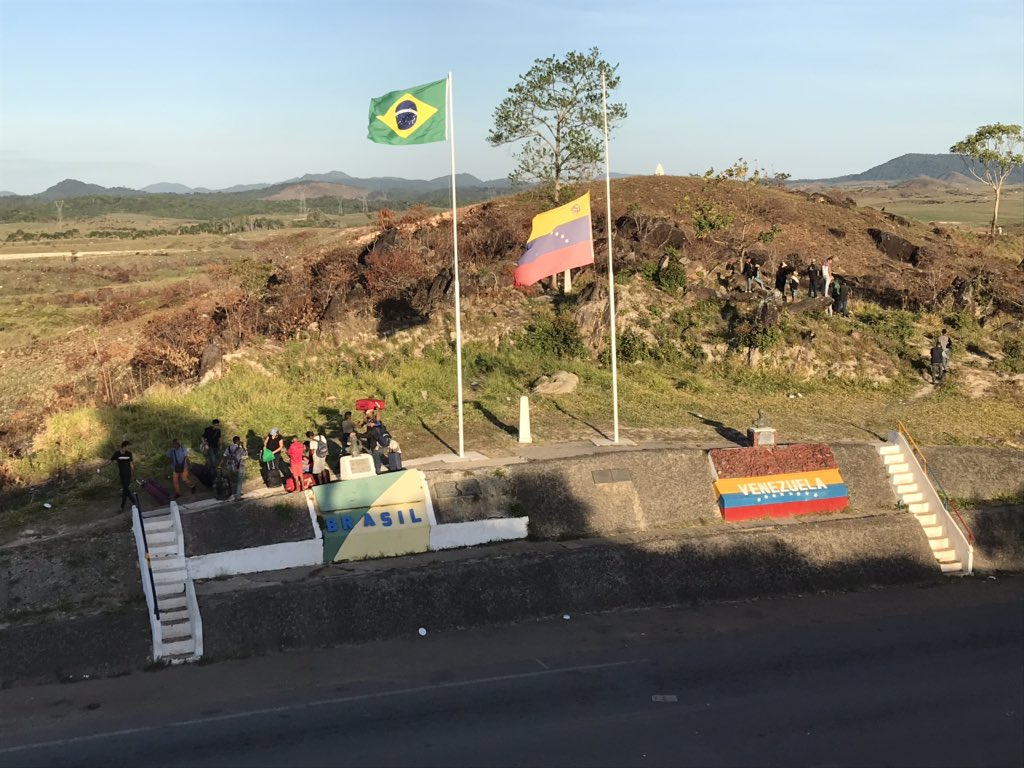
<point>377,441</point>
<point>234,461</point>
<point>321,471</point>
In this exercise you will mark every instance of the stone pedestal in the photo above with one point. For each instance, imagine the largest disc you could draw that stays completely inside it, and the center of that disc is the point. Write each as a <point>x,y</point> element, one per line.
<point>762,437</point>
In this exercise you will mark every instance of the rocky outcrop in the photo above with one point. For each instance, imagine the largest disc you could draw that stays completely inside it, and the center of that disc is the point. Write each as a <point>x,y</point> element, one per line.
<point>896,247</point>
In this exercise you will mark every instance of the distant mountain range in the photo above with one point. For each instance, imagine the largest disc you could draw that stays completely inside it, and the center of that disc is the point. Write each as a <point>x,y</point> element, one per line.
<point>914,166</point>
<point>374,187</point>
<point>948,168</point>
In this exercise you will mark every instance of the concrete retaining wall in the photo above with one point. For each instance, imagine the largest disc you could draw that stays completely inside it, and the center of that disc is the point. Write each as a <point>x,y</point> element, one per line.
<point>517,582</point>
<point>99,644</point>
<point>977,472</point>
<point>615,493</point>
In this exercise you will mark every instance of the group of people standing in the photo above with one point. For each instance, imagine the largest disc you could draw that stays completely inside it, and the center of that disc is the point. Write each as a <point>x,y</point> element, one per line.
<point>282,459</point>
<point>821,281</point>
<point>305,462</point>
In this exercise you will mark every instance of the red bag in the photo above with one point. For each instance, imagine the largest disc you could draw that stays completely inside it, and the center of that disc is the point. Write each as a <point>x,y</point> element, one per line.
<point>289,484</point>
<point>307,481</point>
<point>369,404</point>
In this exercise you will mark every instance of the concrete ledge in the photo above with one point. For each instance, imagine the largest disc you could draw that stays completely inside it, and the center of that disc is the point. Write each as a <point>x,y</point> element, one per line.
<point>455,535</point>
<point>273,557</point>
<point>523,581</point>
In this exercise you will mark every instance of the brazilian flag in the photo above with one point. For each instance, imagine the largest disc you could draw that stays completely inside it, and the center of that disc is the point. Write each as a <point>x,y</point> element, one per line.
<point>412,116</point>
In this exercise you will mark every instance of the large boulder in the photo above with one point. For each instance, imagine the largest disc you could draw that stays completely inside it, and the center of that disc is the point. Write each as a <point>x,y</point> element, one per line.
<point>559,383</point>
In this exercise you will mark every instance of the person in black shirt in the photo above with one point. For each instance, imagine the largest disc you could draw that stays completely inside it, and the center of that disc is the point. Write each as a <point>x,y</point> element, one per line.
<point>212,437</point>
<point>126,473</point>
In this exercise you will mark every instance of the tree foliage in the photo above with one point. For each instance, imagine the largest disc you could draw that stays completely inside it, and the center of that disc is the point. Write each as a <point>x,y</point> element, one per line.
<point>556,110</point>
<point>994,150</point>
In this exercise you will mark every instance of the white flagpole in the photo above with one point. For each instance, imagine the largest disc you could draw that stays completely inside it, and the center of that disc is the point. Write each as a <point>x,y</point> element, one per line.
<point>611,274</point>
<point>455,248</point>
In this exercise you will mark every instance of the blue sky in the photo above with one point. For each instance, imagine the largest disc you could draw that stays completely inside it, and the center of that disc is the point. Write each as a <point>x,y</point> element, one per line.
<point>219,92</point>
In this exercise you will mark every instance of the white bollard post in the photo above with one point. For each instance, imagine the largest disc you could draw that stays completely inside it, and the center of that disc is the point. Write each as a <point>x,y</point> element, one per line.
<point>567,286</point>
<point>524,420</point>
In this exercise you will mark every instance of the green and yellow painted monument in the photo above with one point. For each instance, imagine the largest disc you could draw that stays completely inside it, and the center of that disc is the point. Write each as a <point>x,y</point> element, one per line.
<point>380,516</point>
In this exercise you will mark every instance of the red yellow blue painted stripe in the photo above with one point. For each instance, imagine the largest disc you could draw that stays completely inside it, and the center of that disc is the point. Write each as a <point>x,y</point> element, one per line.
<point>782,495</point>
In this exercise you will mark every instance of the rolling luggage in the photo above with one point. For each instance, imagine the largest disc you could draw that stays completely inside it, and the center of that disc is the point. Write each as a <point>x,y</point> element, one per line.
<point>394,462</point>
<point>222,487</point>
<point>204,474</point>
<point>156,492</point>
<point>271,474</point>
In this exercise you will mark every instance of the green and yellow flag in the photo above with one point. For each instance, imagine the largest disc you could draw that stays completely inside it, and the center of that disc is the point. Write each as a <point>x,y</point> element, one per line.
<point>412,116</point>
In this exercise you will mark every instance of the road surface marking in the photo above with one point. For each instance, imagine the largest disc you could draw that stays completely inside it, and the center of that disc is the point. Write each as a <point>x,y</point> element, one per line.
<point>320,703</point>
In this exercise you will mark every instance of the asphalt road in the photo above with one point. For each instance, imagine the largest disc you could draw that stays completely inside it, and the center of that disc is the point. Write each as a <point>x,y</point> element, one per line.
<point>905,676</point>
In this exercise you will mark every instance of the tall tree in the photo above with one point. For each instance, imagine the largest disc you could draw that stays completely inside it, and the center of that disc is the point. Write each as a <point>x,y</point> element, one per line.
<point>996,151</point>
<point>556,110</point>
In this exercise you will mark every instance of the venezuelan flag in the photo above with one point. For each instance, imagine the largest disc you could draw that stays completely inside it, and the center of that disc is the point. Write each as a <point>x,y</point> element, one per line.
<point>560,239</point>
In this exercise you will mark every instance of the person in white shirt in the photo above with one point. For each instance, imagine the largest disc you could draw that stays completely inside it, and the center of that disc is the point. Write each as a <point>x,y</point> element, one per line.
<point>826,276</point>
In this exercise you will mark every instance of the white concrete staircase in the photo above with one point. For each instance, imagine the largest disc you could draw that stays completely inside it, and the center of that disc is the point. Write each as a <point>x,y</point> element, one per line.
<point>180,630</point>
<point>910,482</point>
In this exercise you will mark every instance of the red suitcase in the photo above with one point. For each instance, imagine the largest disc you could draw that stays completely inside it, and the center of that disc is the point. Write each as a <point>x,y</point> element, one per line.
<point>156,492</point>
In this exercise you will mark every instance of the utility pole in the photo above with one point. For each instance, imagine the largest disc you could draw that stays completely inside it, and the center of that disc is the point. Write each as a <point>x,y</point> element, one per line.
<point>302,201</point>
<point>60,211</point>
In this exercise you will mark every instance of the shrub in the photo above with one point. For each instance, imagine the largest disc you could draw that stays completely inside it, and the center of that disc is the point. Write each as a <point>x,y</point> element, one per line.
<point>1013,354</point>
<point>555,337</point>
<point>706,219</point>
<point>673,277</point>
<point>632,347</point>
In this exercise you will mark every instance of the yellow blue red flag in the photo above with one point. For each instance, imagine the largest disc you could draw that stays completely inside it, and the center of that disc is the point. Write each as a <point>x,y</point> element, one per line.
<point>560,239</point>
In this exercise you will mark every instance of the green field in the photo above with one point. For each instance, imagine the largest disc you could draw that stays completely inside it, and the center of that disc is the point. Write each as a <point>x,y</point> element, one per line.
<point>973,209</point>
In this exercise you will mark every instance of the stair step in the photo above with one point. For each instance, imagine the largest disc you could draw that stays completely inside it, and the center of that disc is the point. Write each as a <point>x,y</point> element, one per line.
<point>912,498</point>
<point>180,647</point>
<point>170,577</point>
<point>945,555</point>
<point>919,508</point>
<point>176,633</point>
<point>159,526</point>
<point>170,603</point>
<point>954,567</point>
<point>934,531</point>
<point>889,450</point>
<point>170,588</point>
<point>898,469</point>
<point>156,513</point>
<point>174,616</point>
<point>161,538</point>
<point>940,543</point>
<point>906,488</point>
<point>164,550</point>
<point>893,458</point>
<point>906,477</point>
<point>166,563</point>
<point>927,519</point>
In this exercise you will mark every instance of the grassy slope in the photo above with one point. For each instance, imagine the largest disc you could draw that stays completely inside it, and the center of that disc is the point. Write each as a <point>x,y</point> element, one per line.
<point>864,374</point>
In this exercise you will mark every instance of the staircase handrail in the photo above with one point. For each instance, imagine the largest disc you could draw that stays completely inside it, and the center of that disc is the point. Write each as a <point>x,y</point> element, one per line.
<point>944,497</point>
<point>148,584</point>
